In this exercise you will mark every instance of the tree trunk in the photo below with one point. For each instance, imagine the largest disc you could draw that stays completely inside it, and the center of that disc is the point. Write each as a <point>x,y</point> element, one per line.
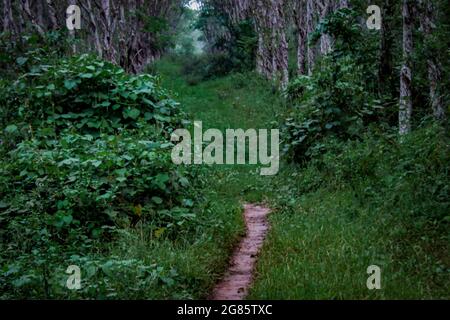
<point>72,32</point>
<point>310,25</point>
<point>108,20</point>
<point>88,8</point>
<point>343,4</point>
<point>434,67</point>
<point>263,55</point>
<point>325,39</point>
<point>272,54</point>
<point>280,45</point>
<point>52,14</point>
<point>26,8</point>
<point>8,20</point>
<point>405,110</point>
<point>300,23</point>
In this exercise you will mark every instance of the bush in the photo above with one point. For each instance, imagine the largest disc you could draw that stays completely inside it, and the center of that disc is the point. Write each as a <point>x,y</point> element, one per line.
<point>340,98</point>
<point>408,180</point>
<point>85,153</point>
<point>20,55</point>
<point>330,103</point>
<point>87,95</point>
<point>206,66</point>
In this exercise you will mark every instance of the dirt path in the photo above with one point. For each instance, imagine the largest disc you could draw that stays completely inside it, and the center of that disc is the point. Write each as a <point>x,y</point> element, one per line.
<point>239,276</point>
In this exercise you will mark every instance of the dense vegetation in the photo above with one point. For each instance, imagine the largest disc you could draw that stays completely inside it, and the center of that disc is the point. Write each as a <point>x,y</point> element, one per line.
<point>87,179</point>
<point>86,163</point>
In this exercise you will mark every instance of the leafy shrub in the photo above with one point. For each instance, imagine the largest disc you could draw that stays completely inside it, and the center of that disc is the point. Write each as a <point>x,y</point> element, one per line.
<point>237,41</point>
<point>79,179</point>
<point>399,189</point>
<point>235,54</point>
<point>20,54</point>
<point>206,66</point>
<point>103,278</point>
<point>408,179</point>
<point>327,106</point>
<point>88,95</point>
<point>339,99</point>
<point>85,154</point>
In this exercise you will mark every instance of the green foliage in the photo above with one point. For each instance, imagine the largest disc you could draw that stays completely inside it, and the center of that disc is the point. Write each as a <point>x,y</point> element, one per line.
<point>340,98</point>
<point>20,55</point>
<point>235,43</point>
<point>237,55</point>
<point>206,66</point>
<point>159,28</point>
<point>85,155</point>
<point>93,181</point>
<point>87,95</point>
<point>396,174</point>
<point>241,49</point>
<point>375,201</point>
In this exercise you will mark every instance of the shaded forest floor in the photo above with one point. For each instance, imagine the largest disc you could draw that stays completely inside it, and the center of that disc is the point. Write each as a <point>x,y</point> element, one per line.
<point>326,230</point>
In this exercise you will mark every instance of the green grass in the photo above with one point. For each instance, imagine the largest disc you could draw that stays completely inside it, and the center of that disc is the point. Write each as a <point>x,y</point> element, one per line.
<point>197,259</point>
<point>236,101</point>
<point>317,249</point>
<point>200,258</point>
<point>329,221</point>
<point>355,208</point>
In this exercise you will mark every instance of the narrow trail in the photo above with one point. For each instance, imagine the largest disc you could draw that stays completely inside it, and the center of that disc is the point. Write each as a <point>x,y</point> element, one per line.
<point>238,278</point>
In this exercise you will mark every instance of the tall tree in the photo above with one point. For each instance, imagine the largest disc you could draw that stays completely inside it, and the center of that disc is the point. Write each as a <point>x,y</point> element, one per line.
<point>8,19</point>
<point>325,8</point>
<point>299,14</point>
<point>406,107</point>
<point>310,26</point>
<point>427,14</point>
<point>143,23</point>
<point>272,53</point>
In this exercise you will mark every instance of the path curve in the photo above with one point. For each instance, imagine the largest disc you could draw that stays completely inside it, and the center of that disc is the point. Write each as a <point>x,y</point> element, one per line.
<point>238,278</point>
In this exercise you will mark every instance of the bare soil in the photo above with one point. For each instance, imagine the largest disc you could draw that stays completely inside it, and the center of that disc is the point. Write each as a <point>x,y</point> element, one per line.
<point>238,278</point>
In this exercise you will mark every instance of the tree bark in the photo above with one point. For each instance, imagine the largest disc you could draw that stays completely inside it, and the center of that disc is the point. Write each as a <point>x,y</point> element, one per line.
<point>26,8</point>
<point>406,107</point>
<point>52,14</point>
<point>280,45</point>
<point>427,22</point>
<point>89,9</point>
<point>343,4</point>
<point>264,63</point>
<point>8,20</point>
<point>300,24</point>
<point>310,26</point>
<point>272,53</point>
<point>108,20</point>
<point>325,39</point>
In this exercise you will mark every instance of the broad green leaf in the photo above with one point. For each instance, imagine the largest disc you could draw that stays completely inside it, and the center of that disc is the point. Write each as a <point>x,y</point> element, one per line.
<point>132,113</point>
<point>70,84</point>
<point>11,128</point>
<point>157,200</point>
<point>21,60</point>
